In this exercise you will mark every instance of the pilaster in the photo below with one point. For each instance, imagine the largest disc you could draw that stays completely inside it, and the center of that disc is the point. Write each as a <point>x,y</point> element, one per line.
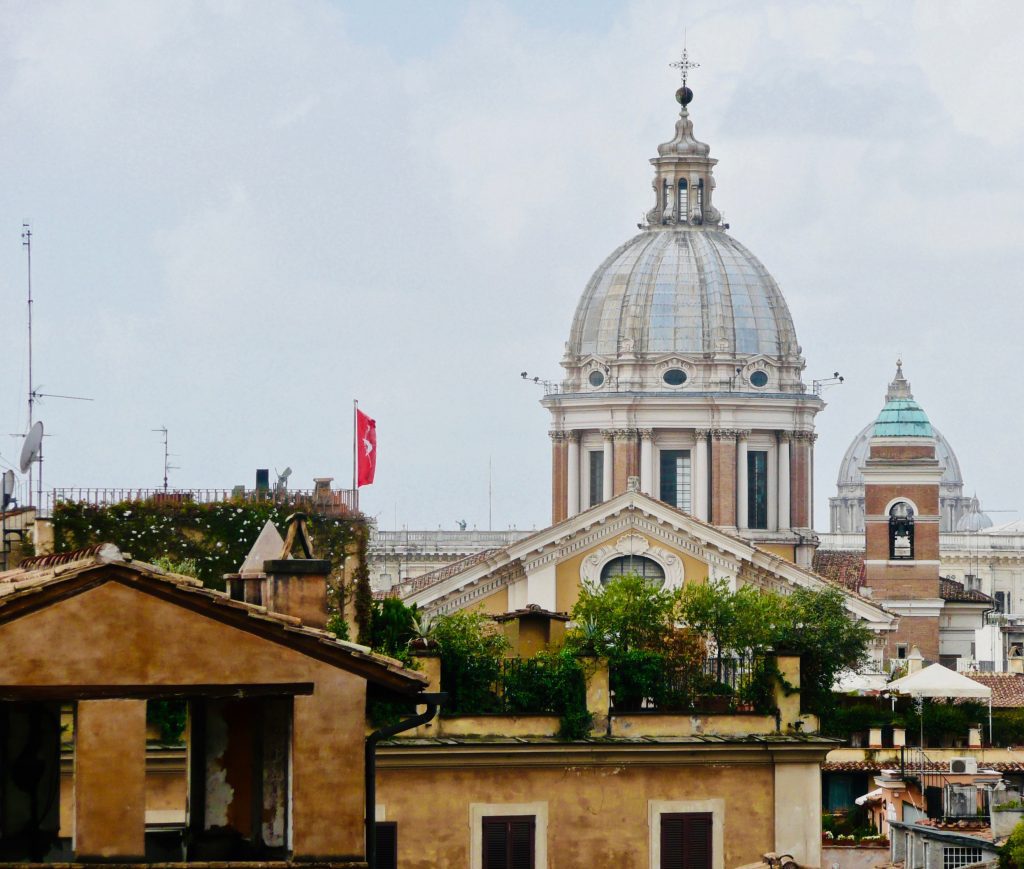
<point>700,474</point>
<point>559,475</point>
<point>573,481</point>
<point>723,477</point>
<point>627,458</point>
<point>784,481</point>
<point>742,519</point>
<point>647,475</point>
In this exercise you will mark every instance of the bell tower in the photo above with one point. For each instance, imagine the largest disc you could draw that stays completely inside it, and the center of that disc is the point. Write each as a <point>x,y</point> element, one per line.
<point>901,523</point>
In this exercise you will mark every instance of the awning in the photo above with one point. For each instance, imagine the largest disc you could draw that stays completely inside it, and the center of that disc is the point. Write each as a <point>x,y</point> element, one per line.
<point>872,797</point>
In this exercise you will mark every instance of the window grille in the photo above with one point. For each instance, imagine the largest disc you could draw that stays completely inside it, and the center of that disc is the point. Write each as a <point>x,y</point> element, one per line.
<point>955,856</point>
<point>626,564</point>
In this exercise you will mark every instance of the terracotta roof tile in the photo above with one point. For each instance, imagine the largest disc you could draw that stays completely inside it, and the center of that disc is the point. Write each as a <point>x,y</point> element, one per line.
<point>1007,688</point>
<point>842,567</point>
<point>952,590</point>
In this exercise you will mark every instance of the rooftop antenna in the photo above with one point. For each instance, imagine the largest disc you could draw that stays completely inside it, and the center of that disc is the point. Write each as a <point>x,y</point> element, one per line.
<point>34,394</point>
<point>167,455</point>
<point>26,242</point>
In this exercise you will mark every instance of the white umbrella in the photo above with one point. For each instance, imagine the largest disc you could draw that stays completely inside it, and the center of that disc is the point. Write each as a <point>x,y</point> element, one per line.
<point>938,681</point>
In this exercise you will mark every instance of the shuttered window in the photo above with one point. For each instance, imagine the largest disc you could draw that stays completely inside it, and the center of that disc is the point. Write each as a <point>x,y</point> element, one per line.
<point>686,840</point>
<point>387,845</point>
<point>508,842</point>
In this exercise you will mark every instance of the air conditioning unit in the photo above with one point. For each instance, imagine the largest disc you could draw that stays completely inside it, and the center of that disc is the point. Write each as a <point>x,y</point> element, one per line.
<point>963,765</point>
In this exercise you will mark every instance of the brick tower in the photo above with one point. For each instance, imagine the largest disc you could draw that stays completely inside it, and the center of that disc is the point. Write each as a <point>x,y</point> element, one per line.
<point>901,524</point>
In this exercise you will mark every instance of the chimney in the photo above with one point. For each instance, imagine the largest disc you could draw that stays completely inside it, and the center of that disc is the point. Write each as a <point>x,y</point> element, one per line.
<point>297,586</point>
<point>915,660</point>
<point>247,584</point>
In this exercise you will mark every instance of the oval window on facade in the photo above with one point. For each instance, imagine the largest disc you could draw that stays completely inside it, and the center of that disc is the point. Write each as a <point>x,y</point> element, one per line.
<point>596,378</point>
<point>627,564</point>
<point>758,379</point>
<point>674,377</point>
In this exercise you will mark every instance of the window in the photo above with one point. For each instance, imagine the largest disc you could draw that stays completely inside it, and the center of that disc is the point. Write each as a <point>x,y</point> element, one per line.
<point>637,564</point>
<point>674,377</point>
<point>901,531</point>
<point>700,200</point>
<point>596,477</point>
<point>595,378</point>
<point>387,844</point>
<point>686,840</point>
<point>508,842</point>
<point>681,212</point>
<point>955,856</point>
<point>901,650</point>
<point>1000,597</point>
<point>676,478</point>
<point>759,379</point>
<point>757,489</point>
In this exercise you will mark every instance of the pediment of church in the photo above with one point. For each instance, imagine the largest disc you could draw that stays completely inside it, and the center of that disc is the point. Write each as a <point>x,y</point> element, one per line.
<point>548,568</point>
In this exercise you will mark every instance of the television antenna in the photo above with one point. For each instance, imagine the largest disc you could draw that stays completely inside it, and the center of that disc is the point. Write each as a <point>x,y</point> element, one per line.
<point>167,455</point>
<point>34,394</point>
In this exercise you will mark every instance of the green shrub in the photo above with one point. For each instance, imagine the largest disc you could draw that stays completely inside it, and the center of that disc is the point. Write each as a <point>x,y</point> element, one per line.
<point>471,649</point>
<point>1011,855</point>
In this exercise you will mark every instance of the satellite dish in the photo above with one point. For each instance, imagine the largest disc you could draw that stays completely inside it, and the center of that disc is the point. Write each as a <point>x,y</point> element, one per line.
<point>286,473</point>
<point>30,449</point>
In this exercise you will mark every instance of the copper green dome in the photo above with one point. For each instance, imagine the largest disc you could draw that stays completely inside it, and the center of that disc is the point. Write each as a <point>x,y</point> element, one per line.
<point>902,417</point>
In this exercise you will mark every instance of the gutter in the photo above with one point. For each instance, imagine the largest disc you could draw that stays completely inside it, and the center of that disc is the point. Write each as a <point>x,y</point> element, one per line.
<point>433,702</point>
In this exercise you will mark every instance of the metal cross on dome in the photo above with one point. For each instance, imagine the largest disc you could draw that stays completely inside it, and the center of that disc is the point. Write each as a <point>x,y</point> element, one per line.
<point>684,65</point>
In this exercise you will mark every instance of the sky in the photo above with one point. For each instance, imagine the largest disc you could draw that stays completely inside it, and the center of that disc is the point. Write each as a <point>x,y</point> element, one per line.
<point>247,214</point>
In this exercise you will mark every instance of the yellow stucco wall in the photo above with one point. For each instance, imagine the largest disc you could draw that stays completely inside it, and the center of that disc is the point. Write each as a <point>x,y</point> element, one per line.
<point>118,635</point>
<point>780,549</point>
<point>597,815</point>
<point>567,572</point>
<point>494,604</point>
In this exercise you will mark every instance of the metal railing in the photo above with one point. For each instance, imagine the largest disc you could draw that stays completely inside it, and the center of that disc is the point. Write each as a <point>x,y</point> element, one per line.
<point>728,684</point>
<point>944,800</point>
<point>329,501</point>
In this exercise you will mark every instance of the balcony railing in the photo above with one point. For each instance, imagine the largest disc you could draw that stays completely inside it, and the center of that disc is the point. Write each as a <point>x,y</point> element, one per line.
<point>329,501</point>
<point>732,684</point>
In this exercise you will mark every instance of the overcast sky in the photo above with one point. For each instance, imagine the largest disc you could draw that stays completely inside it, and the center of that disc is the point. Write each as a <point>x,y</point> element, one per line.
<point>246,214</point>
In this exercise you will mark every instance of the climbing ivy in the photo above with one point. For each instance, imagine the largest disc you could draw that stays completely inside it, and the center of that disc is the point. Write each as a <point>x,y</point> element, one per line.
<point>212,539</point>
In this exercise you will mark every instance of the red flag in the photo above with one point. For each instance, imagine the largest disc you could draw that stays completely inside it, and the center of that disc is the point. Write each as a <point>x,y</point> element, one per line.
<point>366,448</point>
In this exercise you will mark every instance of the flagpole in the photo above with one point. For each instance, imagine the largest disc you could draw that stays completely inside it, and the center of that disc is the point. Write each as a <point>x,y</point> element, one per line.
<point>355,450</point>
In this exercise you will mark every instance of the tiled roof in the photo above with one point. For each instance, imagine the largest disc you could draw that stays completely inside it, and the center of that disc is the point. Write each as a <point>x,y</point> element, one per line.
<point>956,592</point>
<point>44,573</point>
<point>1007,688</point>
<point>842,567</point>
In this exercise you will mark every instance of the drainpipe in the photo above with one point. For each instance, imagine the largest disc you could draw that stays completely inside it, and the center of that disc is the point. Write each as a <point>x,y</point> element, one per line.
<point>433,702</point>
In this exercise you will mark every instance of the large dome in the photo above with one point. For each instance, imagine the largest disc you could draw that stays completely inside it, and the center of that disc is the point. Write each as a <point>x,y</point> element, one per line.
<point>682,289</point>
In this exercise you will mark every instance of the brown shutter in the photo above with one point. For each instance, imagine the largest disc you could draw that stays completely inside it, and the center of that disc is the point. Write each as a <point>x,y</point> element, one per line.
<point>495,844</point>
<point>387,845</point>
<point>521,838</point>
<point>686,840</point>
<point>508,843</point>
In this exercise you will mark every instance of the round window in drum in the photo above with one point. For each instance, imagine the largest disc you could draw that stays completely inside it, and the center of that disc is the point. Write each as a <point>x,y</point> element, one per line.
<point>758,379</point>
<point>674,377</point>
<point>596,378</point>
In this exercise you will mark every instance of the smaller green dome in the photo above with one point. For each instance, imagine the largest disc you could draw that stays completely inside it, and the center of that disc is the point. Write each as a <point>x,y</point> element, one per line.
<point>902,418</point>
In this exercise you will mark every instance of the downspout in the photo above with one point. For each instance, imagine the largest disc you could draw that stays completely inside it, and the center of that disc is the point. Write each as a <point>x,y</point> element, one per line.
<point>433,702</point>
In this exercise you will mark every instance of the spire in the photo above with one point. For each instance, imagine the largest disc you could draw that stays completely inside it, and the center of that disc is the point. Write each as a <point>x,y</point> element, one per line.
<point>683,183</point>
<point>900,386</point>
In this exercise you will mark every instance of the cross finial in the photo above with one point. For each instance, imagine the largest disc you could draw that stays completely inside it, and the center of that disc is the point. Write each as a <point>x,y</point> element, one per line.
<point>684,64</point>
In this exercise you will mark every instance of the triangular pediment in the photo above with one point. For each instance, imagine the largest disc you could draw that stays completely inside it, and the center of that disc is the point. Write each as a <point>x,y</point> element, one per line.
<point>726,555</point>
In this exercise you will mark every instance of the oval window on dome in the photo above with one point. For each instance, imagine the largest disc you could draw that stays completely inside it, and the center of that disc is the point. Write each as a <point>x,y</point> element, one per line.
<point>674,377</point>
<point>759,379</point>
<point>596,378</point>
